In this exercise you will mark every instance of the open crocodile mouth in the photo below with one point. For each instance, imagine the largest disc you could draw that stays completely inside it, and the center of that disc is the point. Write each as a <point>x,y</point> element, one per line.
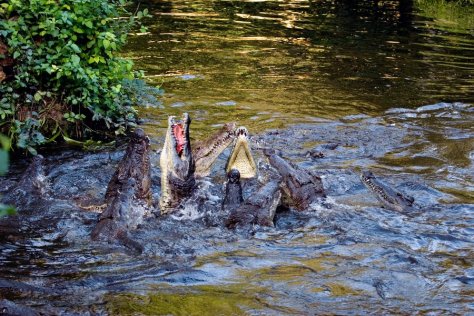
<point>179,135</point>
<point>241,157</point>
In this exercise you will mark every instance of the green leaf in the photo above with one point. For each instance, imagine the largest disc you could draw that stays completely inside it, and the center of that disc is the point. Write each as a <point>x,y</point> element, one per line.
<point>32,150</point>
<point>106,43</point>
<point>5,142</point>
<point>3,161</point>
<point>6,210</point>
<point>37,96</point>
<point>75,60</point>
<point>89,24</point>
<point>16,54</point>
<point>75,48</point>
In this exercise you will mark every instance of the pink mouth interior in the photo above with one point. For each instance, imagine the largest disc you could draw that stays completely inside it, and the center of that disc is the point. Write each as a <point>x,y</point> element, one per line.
<point>178,132</point>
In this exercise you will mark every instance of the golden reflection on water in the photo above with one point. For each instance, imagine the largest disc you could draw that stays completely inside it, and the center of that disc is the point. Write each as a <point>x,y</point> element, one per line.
<point>196,300</point>
<point>293,61</point>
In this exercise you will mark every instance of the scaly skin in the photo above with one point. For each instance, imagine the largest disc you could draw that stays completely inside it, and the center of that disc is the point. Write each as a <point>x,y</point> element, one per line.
<point>390,198</point>
<point>117,219</point>
<point>177,169</point>
<point>300,187</point>
<point>135,164</point>
<point>207,151</point>
<point>130,186</point>
<point>259,209</point>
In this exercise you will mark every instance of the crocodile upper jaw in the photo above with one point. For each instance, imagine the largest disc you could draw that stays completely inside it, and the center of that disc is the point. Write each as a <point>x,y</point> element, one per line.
<point>207,151</point>
<point>241,157</point>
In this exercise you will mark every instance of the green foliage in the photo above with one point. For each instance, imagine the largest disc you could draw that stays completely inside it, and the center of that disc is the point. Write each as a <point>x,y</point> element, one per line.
<point>5,145</point>
<point>142,93</point>
<point>67,77</point>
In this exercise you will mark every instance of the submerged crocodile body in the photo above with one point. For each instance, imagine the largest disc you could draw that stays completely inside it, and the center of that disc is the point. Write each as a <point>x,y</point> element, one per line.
<point>119,217</point>
<point>258,209</point>
<point>390,198</point>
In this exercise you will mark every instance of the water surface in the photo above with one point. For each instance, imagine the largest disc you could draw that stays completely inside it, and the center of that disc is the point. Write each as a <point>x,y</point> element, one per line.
<point>383,88</point>
<point>270,63</point>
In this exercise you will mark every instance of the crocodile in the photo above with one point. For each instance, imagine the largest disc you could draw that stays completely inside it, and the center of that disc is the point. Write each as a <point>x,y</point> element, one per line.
<point>390,198</point>
<point>258,209</point>
<point>241,158</point>
<point>233,197</point>
<point>127,195</point>
<point>300,187</point>
<point>180,164</point>
<point>136,165</point>
<point>120,216</point>
<point>206,152</point>
<point>177,164</point>
<point>31,187</point>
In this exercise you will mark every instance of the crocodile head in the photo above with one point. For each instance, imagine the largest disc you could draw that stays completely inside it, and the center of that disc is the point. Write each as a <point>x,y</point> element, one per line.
<point>135,164</point>
<point>207,151</point>
<point>233,191</point>
<point>301,188</point>
<point>241,158</point>
<point>389,197</point>
<point>177,164</point>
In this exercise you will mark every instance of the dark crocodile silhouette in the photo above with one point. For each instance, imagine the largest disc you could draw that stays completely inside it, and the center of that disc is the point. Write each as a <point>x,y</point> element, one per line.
<point>300,187</point>
<point>136,165</point>
<point>258,209</point>
<point>233,197</point>
<point>120,217</point>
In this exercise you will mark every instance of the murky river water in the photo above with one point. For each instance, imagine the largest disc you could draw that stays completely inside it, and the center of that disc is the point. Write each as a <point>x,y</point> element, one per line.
<point>300,75</point>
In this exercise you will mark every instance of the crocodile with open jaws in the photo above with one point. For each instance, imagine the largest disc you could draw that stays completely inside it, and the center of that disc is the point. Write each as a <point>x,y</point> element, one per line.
<point>180,165</point>
<point>128,195</point>
<point>177,164</point>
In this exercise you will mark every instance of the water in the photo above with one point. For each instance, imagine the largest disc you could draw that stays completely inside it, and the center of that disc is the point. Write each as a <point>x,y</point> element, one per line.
<point>383,90</point>
<point>265,64</point>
